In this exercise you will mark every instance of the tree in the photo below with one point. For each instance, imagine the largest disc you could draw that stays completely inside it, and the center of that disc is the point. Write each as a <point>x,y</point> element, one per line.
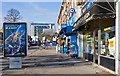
<point>13,15</point>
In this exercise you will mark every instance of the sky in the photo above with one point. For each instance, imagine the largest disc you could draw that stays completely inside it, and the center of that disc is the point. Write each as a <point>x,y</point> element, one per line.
<point>34,11</point>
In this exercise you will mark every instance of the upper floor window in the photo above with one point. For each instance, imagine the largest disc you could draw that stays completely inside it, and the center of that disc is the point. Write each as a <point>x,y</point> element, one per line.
<point>79,2</point>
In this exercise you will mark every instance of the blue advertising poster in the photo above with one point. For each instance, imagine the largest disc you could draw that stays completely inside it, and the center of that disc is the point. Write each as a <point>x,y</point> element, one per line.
<point>15,37</point>
<point>73,46</point>
<point>106,36</point>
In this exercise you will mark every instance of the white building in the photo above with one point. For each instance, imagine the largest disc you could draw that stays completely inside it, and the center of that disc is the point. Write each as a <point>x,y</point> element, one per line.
<point>36,29</point>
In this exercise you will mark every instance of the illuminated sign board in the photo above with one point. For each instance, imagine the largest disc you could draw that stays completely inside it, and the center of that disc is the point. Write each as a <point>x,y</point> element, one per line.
<point>15,39</point>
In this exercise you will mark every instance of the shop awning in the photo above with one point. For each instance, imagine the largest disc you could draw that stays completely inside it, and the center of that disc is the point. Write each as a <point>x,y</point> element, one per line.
<point>69,31</point>
<point>59,35</point>
<point>98,10</point>
<point>63,31</point>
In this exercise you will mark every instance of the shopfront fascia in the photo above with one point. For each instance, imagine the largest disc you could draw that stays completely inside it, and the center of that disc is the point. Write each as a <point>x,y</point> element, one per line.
<point>97,25</point>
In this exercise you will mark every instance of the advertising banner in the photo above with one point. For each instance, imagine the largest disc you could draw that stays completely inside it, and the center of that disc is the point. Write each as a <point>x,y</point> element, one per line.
<point>15,39</point>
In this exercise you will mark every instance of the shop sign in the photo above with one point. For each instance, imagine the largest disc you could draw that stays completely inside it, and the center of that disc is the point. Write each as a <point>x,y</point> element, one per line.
<point>88,5</point>
<point>63,25</point>
<point>82,20</point>
<point>72,20</point>
<point>15,39</point>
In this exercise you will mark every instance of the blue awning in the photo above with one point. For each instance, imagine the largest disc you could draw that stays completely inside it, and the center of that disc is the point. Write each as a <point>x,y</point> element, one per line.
<point>59,35</point>
<point>63,31</point>
<point>69,29</point>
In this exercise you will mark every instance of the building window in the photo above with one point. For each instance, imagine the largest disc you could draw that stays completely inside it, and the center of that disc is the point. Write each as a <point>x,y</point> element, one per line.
<point>89,41</point>
<point>78,2</point>
<point>108,42</point>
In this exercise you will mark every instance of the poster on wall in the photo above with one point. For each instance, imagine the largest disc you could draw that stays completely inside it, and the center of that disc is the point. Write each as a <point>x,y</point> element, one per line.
<point>15,39</point>
<point>112,46</point>
<point>73,45</point>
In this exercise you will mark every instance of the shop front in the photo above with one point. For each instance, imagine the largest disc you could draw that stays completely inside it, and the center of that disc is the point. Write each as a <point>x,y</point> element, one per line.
<point>97,26</point>
<point>71,45</point>
<point>62,40</point>
<point>68,41</point>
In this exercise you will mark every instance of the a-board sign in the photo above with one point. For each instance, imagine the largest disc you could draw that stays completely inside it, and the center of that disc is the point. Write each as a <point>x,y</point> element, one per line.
<point>15,39</point>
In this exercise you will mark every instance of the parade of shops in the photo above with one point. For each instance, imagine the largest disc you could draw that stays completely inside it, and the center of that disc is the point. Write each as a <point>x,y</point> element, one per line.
<point>89,35</point>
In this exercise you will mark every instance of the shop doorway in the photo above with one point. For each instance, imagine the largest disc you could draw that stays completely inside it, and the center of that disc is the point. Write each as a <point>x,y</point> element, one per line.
<point>89,46</point>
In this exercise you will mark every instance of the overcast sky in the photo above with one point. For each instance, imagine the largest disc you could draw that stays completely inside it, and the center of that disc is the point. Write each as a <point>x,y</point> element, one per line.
<point>34,11</point>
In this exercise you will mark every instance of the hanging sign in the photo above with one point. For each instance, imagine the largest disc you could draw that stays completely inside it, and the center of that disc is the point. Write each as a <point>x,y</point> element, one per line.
<point>72,10</point>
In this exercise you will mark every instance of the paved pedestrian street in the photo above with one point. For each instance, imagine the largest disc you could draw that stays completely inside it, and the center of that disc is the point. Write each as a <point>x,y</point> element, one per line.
<point>47,61</point>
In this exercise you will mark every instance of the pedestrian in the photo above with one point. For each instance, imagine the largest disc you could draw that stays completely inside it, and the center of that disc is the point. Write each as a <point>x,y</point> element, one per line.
<point>39,43</point>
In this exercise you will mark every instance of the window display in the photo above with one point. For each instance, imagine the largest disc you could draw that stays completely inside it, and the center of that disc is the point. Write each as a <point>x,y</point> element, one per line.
<point>89,43</point>
<point>108,42</point>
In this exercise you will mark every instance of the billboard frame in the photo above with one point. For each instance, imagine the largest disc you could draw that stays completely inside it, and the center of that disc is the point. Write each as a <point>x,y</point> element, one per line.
<point>26,39</point>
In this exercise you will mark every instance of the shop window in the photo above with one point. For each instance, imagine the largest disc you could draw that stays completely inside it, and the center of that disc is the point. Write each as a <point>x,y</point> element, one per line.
<point>89,41</point>
<point>108,42</point>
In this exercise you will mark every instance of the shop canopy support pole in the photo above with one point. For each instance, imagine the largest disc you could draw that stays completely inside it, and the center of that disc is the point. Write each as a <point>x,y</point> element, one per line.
<point>99,42</point>
<point>94,40</point>
<point>117,32</point>
<point>84,43</point>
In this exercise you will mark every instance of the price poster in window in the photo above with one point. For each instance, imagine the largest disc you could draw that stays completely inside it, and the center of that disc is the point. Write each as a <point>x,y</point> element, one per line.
<point>112,46</point>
